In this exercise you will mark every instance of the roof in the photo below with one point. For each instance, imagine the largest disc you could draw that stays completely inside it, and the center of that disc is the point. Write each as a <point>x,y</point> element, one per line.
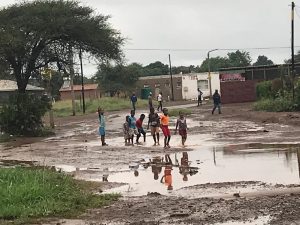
<point>79,87</point>
<point>10,85</point>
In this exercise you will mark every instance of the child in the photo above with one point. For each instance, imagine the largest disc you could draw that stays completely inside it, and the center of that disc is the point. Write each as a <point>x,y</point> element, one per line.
<point>165,127</point>
<point>139,125</point>
<point>154,122</point>
<point>181,123</point>
<point>126,131</point>
<point>132,125</point>
<point>102,125</point>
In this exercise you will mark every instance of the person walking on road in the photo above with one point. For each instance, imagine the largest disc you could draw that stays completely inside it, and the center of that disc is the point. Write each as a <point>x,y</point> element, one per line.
<point>159,99</point>
<point>217,102</point>
<point>133,100</point>
<point>200,93</point>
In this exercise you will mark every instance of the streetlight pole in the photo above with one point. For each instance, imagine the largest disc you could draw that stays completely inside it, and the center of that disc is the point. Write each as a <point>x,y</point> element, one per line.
<point>172,91</point>
<point>82,85</point>
<point>209,76</point>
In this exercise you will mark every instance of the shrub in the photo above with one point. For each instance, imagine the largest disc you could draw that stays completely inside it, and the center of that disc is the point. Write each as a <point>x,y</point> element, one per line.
<point>279,104</point>
<point>22,115</point>
<point>264,90</point>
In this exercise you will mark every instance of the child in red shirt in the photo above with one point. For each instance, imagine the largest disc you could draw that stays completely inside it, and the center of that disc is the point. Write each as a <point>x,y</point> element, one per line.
<point>164,119</point>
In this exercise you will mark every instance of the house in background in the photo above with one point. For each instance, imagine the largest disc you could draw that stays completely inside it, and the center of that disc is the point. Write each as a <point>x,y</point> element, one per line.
<point>184,85</point>
<point>9,87</point>
<point>91,91</point>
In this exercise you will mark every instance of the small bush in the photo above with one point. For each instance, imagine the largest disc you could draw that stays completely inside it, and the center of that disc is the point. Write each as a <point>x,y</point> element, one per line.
<point>264,90</point>
<point>22,115</point>
<point>275,105</point>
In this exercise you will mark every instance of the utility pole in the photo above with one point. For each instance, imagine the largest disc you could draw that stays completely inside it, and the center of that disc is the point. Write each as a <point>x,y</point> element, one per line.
<point>292,48</point>
<point>172,91</point>
<point>72,79</point>
<point>209,76</point>
<point>82,85</point>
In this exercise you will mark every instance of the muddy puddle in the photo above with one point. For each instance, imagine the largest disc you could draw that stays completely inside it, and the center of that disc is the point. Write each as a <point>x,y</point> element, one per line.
<point>267,163</point>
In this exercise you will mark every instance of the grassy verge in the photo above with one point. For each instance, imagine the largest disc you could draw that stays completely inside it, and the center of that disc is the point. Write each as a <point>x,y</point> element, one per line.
<point>275,105</point>
<point>4,137</point>
<point>64,108</point>
<point>27,193</point>
<point>175,112</point>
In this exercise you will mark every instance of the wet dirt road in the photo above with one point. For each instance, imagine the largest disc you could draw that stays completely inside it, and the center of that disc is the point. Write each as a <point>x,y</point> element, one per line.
<point>242,167</point>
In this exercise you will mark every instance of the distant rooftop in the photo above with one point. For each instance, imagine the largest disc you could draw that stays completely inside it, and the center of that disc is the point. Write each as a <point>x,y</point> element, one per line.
<point>78,87</point>
<point>10,85</point>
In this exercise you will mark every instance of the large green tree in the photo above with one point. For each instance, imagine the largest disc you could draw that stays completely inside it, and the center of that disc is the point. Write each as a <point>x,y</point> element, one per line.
<point>36,34</point>
<point>215,63</point>
<point>239,59</point>
<point>263,61</point>
<point>156,68</point>
<point>118,78</point>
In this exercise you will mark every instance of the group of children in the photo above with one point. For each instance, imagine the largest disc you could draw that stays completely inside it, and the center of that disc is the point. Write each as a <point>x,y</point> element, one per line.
<point>133,126</point>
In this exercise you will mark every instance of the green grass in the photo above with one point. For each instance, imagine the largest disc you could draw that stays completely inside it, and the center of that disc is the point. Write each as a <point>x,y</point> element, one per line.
<point>27,193</point>
<point>275,105</point>
<point>64,108</point>
<point>4,137</point>
<point>175,112</point>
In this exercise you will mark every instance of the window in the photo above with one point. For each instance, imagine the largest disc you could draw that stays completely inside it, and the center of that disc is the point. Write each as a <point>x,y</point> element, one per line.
<point>203,84</point>
<point>157,85</point>
<point>178,84</point>
<point>167,84</point>
<point>146,85</point>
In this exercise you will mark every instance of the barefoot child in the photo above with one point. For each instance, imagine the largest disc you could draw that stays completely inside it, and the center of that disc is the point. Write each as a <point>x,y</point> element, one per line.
<point>165,127</point>
<point>154,123</point>
<point>126,131</point>
<point>139,126</point>
<point>181,123</point>
<point>132,125</point>
<point>102,125</point>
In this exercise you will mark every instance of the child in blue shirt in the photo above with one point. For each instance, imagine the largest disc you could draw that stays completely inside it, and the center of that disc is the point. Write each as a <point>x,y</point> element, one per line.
<point>102,125</point>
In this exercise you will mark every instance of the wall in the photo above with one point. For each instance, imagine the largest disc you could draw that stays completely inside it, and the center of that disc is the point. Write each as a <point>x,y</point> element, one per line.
<point>238,91</point>
<point>91,94</point>
<point>189,87</point>
<point>161,83</point>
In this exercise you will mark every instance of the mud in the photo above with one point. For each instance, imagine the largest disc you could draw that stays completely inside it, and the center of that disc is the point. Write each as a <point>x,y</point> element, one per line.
<point>248,168</point>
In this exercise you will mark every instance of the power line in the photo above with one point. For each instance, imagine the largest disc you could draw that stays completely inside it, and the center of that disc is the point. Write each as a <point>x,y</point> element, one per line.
<point>198,50</point>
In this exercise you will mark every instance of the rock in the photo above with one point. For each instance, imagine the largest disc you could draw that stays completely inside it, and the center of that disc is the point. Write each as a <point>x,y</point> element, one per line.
<point>237,195</point>
<point>153,194</point>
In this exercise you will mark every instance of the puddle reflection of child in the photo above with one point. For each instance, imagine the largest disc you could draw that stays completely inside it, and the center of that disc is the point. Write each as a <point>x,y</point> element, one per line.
<point>156,167</point>
<point>167,177</point>
<point>184,167</point>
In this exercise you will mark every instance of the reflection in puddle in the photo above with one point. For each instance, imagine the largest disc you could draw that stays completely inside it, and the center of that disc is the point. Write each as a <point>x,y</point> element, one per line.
<point>279,164</point>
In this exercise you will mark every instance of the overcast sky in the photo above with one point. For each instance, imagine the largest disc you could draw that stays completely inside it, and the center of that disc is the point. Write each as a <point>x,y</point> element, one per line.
<point>200,25</point>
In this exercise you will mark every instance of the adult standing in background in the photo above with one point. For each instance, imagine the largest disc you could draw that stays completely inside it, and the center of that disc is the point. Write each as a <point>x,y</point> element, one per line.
<point>200,93</point>
<point>217,102</point>
<point>133,100</point>
<point>159,99</point>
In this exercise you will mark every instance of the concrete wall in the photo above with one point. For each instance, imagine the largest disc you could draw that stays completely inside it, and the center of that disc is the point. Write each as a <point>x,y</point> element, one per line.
<point>189,87</point>
<point>91,94</point>
<point>163,84</point>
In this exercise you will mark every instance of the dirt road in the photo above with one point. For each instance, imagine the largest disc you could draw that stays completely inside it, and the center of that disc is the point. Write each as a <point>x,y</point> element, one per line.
<point>246,168</point>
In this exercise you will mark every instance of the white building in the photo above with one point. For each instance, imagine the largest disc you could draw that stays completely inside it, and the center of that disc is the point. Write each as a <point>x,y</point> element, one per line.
<point>191,82</point>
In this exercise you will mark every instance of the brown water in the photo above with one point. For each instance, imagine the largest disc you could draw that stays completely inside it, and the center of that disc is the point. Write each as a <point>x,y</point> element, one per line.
<point>276,163</point>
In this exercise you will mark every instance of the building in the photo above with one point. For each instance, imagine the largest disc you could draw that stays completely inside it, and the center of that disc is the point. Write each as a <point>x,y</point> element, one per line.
<point>9,87</point>
<point>91,91</point>
<point>184,85</point>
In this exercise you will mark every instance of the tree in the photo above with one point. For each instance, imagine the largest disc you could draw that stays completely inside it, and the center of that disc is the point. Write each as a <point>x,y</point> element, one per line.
<point>40,33</point>
<point>263,61</point>
<point>117,78</point>
<point>155,69</point>
<point>215,63</point>
<point>239,59</point>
